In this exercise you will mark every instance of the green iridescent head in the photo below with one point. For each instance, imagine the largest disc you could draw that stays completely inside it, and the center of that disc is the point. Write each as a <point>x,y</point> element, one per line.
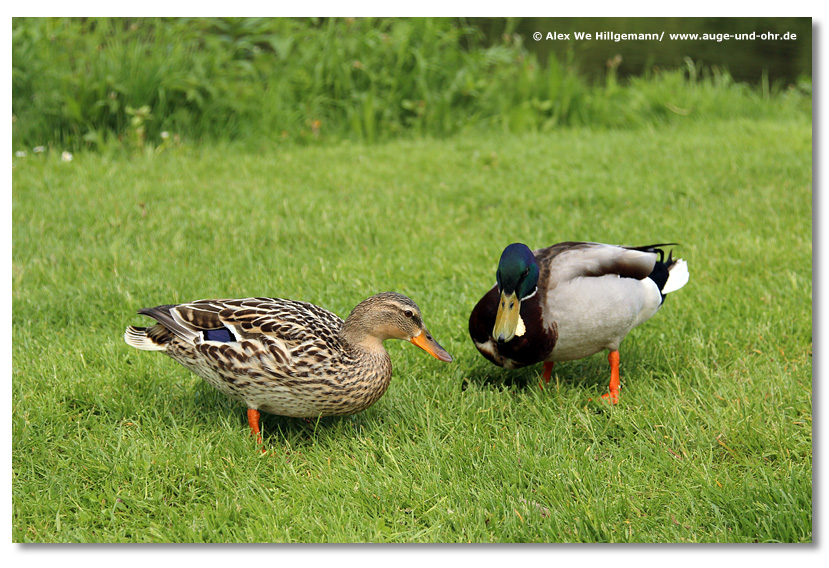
<point>517,279</point>
<point>517,271</point>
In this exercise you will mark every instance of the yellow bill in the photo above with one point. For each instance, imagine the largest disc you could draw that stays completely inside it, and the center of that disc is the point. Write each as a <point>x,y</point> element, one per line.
<point>507,318</point>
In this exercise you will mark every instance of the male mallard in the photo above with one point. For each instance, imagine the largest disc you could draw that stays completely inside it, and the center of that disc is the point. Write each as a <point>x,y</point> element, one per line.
<point>569,301</point>
<point>287,357</point>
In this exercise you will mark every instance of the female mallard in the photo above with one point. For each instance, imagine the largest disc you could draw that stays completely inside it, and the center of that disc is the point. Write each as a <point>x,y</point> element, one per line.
<point>287,357</point>
<point>569,301</point>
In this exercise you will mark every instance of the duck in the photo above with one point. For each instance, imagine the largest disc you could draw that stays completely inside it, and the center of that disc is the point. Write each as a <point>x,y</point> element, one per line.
<point>287,357</point>
<point>571,300</point>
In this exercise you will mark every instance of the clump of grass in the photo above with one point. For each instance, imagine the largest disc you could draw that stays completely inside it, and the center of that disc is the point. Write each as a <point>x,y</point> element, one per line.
<point>77,83</point>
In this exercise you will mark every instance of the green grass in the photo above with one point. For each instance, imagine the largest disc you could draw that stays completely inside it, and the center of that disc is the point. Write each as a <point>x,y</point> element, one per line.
<point>105,83</point>
<point>712,440</point>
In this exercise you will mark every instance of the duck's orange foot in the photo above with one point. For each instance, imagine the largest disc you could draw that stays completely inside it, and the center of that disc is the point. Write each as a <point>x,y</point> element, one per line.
<point>548,372</point>
<point>609,398</point>
<point>253,422</point>
<point>613,395</point>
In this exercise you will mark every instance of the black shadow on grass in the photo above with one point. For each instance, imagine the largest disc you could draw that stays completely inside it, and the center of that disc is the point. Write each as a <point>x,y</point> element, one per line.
<point>210,407</point>
<point>582,374</point>
<point>303,432</point>
<point>582,380</point>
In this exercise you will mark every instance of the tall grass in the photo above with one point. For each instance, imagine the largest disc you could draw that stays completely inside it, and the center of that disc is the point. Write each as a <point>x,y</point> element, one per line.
<point>100,82</point>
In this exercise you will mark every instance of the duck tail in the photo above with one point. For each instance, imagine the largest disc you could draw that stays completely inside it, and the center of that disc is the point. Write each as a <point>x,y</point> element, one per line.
<point>157,337</point>
<point>669,274</point>
<point>678,275</point>
<point>153,338</point>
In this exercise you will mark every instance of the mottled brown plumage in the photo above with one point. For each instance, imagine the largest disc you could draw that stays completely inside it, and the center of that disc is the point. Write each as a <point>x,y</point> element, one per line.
<point>288,357</point>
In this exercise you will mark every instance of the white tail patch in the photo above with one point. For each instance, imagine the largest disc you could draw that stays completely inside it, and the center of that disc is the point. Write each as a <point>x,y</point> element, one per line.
<point>138,338</point>
<point>677,276</point>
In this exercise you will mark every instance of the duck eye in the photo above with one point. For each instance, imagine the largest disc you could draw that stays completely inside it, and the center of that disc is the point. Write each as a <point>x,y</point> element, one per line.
<point>408,313</point>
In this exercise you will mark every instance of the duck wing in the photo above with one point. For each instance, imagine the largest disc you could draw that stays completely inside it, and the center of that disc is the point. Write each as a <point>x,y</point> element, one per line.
<point>247,318</point>
<point>280,338</point>
<point>569,260</point>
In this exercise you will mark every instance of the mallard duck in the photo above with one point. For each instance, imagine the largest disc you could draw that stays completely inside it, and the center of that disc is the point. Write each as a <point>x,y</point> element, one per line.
<point>569,301</point>
<point>287,357</point>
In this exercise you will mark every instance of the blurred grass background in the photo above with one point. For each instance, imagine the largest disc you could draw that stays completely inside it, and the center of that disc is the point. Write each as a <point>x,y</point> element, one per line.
<point>102,83</point>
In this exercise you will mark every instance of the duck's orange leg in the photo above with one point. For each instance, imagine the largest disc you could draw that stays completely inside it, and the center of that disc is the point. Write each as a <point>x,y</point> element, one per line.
<point>253,421</point>
<point>613,395</point>
<point>548,372</point>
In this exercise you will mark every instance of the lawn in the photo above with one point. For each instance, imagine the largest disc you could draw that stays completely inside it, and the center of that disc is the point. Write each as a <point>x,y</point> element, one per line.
<point>712,439</point>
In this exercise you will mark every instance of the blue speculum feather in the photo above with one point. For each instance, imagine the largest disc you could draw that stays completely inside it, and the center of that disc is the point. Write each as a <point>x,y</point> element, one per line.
<point>517,271</point>
<point>222,335</point>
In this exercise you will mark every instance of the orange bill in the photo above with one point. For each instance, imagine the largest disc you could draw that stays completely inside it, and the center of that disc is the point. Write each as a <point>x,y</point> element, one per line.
<point>430,346</point>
